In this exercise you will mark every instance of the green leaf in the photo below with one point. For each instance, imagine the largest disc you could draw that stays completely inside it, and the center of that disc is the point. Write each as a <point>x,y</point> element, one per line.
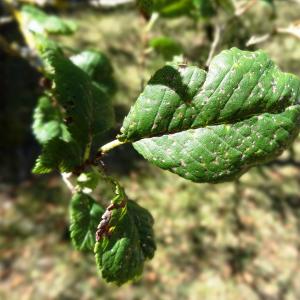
<point>88,181</point>
<point>173,8</point>
<point>98,67</point>
<point>59,150</point>
<point>166,46</point>
<point>83,115</point>
<point>48,122</point>
<point>35,20</point>
<point>87,107</point>
<point>85,214</point>
<point>120,256</point>
<point>58,154</point>
<point>213,127</point>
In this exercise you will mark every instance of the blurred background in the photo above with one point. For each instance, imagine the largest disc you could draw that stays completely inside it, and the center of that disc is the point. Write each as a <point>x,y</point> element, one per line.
<point>230,241</point>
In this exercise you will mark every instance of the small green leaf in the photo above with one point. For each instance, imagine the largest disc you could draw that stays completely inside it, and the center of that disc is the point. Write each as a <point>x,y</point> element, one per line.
<point>213,127</point>
<point>58,154</point>
<point>173,8</point>
<point>85,215</point>
<point>35,20</point>
<point>48,122</point>
<point>98,67</point>
<point>120,256</point>
<point>88,181</point>
<point>166,46</point>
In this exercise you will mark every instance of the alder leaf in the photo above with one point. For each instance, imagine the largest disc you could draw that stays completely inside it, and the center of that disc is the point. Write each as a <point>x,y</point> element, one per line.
<point>87,107</point>
<point>121,254</point>
<point>214,126</point>
<point>81,118</point>
<point>85,214</point>
<point>58,154</point>
<point>35,20</point>
<point>97,65</point>
<point>48,121</point>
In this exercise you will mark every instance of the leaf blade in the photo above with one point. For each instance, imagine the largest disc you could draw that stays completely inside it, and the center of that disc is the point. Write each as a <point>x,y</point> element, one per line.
<point>85,214</point>
<point>121,255</point>
<point>239,87</point>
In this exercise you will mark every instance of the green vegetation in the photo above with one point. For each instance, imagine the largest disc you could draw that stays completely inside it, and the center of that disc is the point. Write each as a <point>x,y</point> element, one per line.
<point>211,240</point>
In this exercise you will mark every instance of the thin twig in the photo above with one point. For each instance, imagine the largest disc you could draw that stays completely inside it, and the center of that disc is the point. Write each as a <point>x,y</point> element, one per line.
<point>214,44</point>
<point>107,147</point>
<point>258,39</point>
<point>66,179</point>
<point>242,10</point>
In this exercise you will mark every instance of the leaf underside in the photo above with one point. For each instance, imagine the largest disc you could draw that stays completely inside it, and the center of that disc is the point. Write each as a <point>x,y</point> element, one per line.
<point>214,126</point>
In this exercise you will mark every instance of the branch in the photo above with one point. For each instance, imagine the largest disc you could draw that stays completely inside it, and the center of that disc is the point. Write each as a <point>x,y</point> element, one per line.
<point>66,179</point>
<point>242,10</point>
<point>257,39</point>
<point>107,147</point>
<point>286,162</point>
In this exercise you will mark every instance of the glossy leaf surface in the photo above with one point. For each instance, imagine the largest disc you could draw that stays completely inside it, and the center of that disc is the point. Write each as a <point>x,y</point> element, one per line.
<point>214,126</point>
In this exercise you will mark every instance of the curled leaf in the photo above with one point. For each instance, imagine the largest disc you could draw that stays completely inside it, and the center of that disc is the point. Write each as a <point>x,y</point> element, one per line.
<point>121,254</point>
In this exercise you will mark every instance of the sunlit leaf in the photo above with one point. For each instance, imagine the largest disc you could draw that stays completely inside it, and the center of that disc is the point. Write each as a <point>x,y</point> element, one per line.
<point>214,126</point>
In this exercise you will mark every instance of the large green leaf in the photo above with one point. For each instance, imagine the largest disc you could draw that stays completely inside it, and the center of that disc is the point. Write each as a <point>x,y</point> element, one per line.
<point>121,254</point>
<point>85,214</point>
<point>213,127</point>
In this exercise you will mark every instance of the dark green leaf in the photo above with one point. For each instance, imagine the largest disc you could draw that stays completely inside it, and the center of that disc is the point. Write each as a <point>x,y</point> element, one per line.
<point>88,109</point>
<point>213,127</point>
<point>120,256</point>
<point>85,215</point>
<point>58,154</point>
<point>83,116</point>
